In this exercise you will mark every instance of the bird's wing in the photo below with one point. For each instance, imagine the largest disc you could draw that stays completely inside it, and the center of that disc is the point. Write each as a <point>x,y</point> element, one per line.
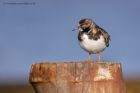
<point>105,35</point>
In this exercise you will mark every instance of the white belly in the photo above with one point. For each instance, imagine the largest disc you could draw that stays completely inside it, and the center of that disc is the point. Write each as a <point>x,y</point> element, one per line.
<point>92,46</point>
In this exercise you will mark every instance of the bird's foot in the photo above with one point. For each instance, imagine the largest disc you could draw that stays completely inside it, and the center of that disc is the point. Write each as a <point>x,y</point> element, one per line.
<point>89,59</point>
<point>99,61</point>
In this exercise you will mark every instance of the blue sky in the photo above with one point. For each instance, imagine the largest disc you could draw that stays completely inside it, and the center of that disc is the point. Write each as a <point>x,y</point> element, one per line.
<point>42,32</point>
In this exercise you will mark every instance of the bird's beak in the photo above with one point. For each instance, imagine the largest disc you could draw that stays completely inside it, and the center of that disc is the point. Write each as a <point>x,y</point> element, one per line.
<point>75,29</point>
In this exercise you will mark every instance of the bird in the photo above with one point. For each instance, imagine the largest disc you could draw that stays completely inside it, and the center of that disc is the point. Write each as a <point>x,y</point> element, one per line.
<point>92,38</point>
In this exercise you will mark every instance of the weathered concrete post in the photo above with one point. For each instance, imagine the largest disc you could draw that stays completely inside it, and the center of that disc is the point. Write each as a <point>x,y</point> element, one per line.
<point>77,77</point>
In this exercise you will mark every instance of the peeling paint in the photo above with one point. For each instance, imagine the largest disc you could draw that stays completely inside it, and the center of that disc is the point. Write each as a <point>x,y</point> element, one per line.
<point>103,74</point>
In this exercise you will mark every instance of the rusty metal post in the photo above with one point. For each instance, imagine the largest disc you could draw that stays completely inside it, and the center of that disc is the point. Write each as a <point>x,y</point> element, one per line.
<point>77,77</point>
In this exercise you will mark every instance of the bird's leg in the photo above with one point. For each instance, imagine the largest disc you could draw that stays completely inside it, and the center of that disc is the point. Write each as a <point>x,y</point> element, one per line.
<point>89,58</point>
<point>99,56</point>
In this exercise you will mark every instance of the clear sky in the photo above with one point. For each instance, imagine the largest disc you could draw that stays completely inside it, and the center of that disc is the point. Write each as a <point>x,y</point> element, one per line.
<point>41,31</point>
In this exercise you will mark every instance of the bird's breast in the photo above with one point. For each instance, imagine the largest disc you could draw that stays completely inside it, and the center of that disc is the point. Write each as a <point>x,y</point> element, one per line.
<point>92,45</point>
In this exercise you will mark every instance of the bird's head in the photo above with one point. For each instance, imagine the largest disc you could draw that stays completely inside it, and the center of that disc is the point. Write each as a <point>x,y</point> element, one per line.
<point>86,24</point>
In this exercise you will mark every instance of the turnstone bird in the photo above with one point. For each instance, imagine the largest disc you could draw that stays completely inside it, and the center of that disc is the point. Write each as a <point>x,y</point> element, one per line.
<point>92,38</point>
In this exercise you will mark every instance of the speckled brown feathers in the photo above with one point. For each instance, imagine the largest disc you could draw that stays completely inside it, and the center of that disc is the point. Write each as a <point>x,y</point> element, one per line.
<point>92,30</point>
<point>104,33</point>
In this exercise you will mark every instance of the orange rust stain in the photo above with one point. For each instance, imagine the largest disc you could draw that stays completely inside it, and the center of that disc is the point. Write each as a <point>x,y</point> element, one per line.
<point>50,75</point>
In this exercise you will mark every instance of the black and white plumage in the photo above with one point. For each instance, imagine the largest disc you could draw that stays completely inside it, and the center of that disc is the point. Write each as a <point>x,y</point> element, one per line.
<point>91,37</point>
